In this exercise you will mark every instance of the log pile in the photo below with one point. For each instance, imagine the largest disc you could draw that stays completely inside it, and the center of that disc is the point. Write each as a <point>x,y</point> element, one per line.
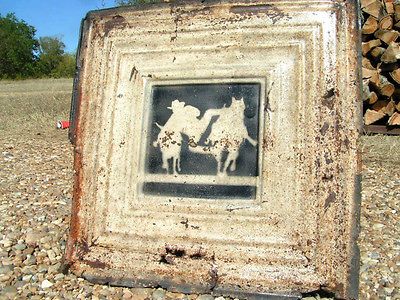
<point>381,61</point>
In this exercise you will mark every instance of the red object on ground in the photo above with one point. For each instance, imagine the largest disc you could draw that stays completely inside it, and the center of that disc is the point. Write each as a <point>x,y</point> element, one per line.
<point>63,124</point>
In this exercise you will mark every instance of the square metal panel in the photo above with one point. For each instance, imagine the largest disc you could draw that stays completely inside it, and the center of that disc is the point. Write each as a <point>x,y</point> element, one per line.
<point>216,147</point>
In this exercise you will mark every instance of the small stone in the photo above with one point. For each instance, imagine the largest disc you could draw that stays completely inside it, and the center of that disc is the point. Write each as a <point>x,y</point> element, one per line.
<point>158,294</point>
<point>28,270</point>
<point>140,293</point>
<point>6,269</point>
<point>17,261</point>
<point>374,255</point>
<point>6,243</point>
<point>175,296</point>
<point>4,278</point>
<point>20,247</point>
<point>46,284</point>
<point>59,277</point>
<point>32,238</point>
<point>26,277</point>
<point>31,260</point>
<point>389,291</point>
<point>378,226</point>
<point>28,251</point>
<point>19,284</point>
<point>51,255</point>
<point>128,295</point>
<point>205,297</point>
<point>54,269</point>
<point>9,292</point>
<point>219,298</point>
<point>45,240</point>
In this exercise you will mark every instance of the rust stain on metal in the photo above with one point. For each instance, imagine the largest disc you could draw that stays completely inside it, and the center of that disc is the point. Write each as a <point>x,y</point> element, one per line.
<point>213,273</point>
<point>95,263</point>
<point>328,98</point>
<point>329,94</point>
<point>116,22</point>
<point>181,12</point>
<point>198,253</point>
<point>171,252</point>
<point>134,74</point>
<point>324,128</point>
<point>270,10</point>
<point>328,159</point>
<point>75,228</point>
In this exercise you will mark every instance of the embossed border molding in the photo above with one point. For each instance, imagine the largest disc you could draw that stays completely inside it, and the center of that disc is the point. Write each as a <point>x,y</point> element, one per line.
<point>299,234</point>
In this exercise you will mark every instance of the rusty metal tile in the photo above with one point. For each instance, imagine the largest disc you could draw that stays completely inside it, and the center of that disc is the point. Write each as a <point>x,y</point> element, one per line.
<point>216,148</point>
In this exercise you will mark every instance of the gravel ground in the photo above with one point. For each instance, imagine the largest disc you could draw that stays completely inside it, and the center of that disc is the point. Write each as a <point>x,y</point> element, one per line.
<point>35,199</point>
<point>380,219</point>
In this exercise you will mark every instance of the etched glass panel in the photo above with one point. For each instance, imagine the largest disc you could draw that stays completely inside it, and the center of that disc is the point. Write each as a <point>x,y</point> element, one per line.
<point>203,141</point>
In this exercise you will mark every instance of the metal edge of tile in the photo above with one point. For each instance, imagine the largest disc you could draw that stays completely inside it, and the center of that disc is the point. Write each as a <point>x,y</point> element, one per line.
<point>75,88</point>
<point>354,263</point>
<point>190,289</point>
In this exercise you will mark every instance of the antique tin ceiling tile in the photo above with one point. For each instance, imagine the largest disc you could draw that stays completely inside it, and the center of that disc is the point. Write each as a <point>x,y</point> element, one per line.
<point>216,148</point>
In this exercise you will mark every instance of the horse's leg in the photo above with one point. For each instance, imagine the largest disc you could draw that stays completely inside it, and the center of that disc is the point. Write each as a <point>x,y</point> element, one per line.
<point>165,161</point>
<point>173,160</point>
<point>223,164</point>
<point>228,163</point>
<point>218,157</point>
<point>178,164</point>
<point>233,165</point>
<point>232,157</point>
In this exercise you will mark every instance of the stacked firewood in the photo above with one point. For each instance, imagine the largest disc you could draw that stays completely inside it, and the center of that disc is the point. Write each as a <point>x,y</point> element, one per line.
<point>381,61</point>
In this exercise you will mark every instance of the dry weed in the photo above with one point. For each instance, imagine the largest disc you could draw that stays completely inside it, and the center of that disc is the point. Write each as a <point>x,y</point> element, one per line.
<point>33,105</point>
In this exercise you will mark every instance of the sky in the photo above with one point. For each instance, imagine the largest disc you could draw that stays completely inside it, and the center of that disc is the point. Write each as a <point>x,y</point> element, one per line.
<point>59,18</point>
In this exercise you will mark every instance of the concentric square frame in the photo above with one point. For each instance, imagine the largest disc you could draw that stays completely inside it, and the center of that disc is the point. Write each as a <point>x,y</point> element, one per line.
<point>299,234</point>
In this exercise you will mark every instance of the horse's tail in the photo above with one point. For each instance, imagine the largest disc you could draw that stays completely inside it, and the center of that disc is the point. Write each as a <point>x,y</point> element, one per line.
<point>159,126</point>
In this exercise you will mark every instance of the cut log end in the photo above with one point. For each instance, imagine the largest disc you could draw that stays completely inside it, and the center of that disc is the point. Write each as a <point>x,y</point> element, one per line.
<point>394,120</point>
<point>372,116</point>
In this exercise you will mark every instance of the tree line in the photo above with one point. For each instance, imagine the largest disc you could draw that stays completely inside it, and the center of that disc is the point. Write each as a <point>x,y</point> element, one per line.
<point>22,55</point>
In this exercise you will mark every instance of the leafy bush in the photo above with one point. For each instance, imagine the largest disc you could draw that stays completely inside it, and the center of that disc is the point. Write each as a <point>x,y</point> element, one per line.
<point>65,67</point>
<point>18,48</point>
<point>23,56</point>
